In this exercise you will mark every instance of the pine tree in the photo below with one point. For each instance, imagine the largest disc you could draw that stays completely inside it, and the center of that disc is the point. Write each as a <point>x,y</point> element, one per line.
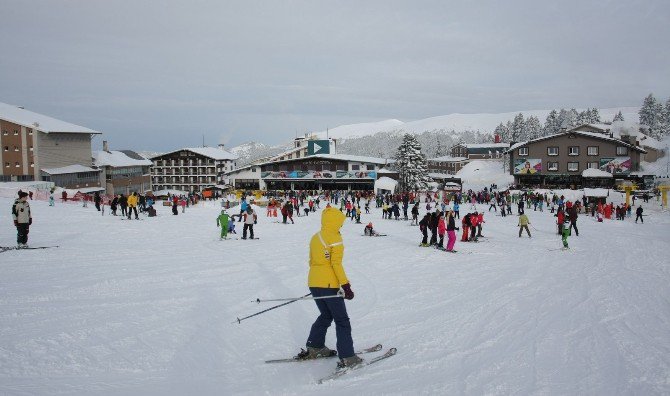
<point>518,129</point>
<point>551,125</point>
<point>618,117</point>
<point>411,165</point>
<point>582,118</point>
<point>594,116</point>
<point>651,115</point>
<point>439,150</point>
<point>502,131</point>
<point>533,128</point>
<point>666,119</point>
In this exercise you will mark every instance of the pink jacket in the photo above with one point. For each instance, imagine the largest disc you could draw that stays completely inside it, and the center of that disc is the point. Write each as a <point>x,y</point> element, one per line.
<point>441,227</point>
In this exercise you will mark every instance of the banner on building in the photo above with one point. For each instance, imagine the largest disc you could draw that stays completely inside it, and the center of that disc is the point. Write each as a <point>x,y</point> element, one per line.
<point>527,166</point>
<point>615,166</point>
<point>315,147</point>
<point>318,175</point>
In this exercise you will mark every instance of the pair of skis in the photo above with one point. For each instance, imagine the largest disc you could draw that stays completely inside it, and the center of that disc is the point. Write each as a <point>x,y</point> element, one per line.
<point>342,371</point>
<point>6,248</point>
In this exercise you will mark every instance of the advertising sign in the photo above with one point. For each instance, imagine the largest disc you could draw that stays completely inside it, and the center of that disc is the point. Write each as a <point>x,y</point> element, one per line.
<point>527,166</point>
<point>318,175</point>
<point>615,166</point>
<point>315,147</point>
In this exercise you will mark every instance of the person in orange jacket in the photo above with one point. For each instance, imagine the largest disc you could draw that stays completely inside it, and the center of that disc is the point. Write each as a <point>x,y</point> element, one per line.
<point>480,221</point>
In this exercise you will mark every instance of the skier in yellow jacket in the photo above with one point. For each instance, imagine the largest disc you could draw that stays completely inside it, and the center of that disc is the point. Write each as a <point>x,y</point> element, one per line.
<point>326,276</point>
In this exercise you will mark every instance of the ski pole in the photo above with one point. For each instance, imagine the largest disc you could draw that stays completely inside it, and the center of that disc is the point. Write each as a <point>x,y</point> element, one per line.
<point>340,293</point>
<point>239,320</point>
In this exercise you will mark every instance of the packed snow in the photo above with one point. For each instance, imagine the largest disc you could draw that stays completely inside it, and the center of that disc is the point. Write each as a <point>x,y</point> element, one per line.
<point>149,307</point>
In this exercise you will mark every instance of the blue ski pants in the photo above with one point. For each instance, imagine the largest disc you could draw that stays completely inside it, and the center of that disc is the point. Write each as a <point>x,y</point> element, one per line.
<point>331,309</point>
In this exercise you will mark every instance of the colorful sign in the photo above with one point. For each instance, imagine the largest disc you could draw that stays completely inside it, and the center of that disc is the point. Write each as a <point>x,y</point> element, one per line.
<point>527,166</point>
<point>315,147</point>
<point>318,175</point>
<point>615,166</point>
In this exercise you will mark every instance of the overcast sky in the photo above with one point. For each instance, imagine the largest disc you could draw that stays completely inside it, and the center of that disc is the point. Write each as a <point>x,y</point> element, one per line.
<point>157,75</point>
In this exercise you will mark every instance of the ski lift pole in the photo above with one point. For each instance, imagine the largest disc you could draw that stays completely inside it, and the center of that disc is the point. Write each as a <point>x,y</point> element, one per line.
<point>239,320</point>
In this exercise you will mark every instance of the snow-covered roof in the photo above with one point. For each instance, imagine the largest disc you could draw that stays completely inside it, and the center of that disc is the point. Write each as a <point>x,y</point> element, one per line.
<point>386,171</point>
<point>448,158</point>
<point>441,176</point>
<point>486,145</point>
<point>69,169</point>
<point>596,135</point>
<point>602,127</point>
<point>214,153</point>
<point>595,172</point>
<point>118,159</point>
<point>39,122</point>
<point>353,158</point>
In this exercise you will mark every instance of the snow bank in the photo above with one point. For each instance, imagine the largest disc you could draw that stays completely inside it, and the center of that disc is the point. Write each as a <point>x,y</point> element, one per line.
<point>482,173</point>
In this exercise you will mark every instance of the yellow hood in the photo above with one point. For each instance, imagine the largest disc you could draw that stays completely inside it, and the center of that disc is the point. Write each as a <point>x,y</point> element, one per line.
<point>332,220</point>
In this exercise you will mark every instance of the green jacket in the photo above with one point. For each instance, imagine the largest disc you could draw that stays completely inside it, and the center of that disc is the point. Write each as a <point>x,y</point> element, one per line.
<point>222,220</point>
<point>523,220</point>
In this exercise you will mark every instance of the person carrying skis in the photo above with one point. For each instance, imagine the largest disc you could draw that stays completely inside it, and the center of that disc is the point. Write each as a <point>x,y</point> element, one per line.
<point>523,223</point>
<point>326,276</point>
<point>222,221</point>
<point>23,219</point>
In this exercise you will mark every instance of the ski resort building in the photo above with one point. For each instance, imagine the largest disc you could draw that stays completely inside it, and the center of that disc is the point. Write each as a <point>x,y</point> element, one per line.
<point>322,172</point>
<point>122,172</point>
<point>36,147</point>
<point>191,169</point>
<point>560,160</point>
<point>446,164</point>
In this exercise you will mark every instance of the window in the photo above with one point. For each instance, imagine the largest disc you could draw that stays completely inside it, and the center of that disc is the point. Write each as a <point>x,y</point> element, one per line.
<point>16,148</point>
<point>6,148</point>
<point>621,150</point>
<point>253,169</point>
<point>573,150</point>
<point>523,151</point>
<point>592,165</point>
<point>552,166</point>
<point>32,164</point>
<point>16,164</point>
<point>31,148</point>
<point>6,164</point>
<point>371,167</point>
<point>552,151</point>
<point>16,132</point>
<point>355,167</point>
<point>592,150</point>
<point>30,132</point>
<point>573,166</point>
<point>4,132</point>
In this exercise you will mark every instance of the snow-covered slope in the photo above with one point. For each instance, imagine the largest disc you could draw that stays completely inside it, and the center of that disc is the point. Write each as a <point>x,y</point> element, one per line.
<point>457,122</point>
<point>149,307</point>
<point>479,174</point>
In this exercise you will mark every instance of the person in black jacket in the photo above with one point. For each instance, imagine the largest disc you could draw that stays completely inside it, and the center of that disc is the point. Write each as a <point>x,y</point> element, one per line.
<point>638,214</point>
<point>423,226</point>
<point>434,219</point>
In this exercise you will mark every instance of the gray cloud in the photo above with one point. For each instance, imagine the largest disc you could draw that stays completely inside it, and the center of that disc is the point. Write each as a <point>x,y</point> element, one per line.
<point>160,74</point>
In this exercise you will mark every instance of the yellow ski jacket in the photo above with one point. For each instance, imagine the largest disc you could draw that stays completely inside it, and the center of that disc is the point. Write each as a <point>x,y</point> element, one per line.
<point>326,251</point>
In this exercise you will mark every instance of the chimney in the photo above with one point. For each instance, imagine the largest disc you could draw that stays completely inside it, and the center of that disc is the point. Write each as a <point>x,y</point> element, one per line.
<point>105,146</point>
<point>497,138</point>
<point>221,146</point>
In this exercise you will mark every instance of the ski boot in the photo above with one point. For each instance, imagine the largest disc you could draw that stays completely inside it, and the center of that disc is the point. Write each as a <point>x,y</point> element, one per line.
<point>315,353</point>
<point>349,362</point>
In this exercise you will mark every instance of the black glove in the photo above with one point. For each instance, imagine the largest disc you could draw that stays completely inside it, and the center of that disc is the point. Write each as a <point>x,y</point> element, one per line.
<point>458,229</point>
<point>30,222</point>
<point>348,293</point>
<point>16,223</point>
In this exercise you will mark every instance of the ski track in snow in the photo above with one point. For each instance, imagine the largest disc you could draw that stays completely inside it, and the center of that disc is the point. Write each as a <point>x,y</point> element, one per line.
<point>147,307</point>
